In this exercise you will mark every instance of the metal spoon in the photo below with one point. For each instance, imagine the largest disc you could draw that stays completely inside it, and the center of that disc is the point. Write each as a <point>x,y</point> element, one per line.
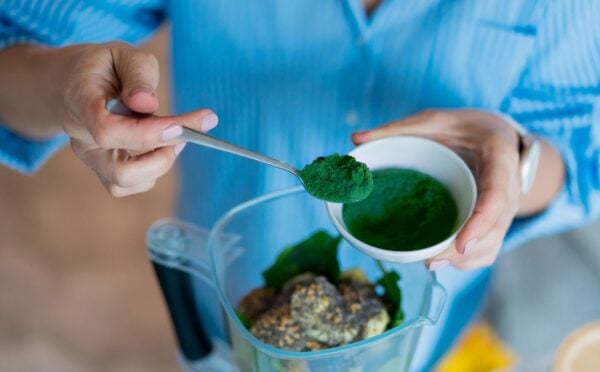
<point>115,106</point>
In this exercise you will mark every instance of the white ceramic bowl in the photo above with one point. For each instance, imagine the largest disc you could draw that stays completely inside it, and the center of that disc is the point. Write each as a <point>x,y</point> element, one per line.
<point>423,155</point>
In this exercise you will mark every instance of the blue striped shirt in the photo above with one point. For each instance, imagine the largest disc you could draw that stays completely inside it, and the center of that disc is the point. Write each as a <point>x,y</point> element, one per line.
<point>294,79</point>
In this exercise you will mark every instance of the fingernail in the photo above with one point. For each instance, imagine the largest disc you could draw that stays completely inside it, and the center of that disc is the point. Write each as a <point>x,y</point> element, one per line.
<point>360,137</point>
<point>209,122</point>
<point>141,90</point>
<point>438,264</point>
<point>469,246</point>
<point>171,132</point>
<point>179,147</point>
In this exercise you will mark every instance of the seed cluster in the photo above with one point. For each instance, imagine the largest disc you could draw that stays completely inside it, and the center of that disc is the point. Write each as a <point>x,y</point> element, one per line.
<point>310,313</point>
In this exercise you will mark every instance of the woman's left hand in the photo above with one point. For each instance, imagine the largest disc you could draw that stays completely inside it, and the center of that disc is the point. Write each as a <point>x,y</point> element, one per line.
<point>490,147</point>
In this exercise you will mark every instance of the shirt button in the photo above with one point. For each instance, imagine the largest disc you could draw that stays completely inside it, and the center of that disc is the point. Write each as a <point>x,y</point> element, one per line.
<point>351,118</point>
<point>360,41</point>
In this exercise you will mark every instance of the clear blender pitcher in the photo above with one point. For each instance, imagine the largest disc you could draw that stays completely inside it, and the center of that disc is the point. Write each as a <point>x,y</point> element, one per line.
<point>231,259</point>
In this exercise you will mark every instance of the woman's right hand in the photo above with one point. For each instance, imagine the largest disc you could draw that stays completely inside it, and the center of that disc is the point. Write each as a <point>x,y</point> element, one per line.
<point>128,153</point>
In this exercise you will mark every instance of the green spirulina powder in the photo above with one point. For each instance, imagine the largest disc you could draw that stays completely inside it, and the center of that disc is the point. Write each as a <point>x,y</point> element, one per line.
<point>407,210</point>
<point>338,179</point>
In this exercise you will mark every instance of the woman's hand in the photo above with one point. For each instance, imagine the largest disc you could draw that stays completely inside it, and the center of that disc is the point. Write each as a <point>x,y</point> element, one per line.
<point>490,147</point>
<point>55,89</point>
<point>127,153</point>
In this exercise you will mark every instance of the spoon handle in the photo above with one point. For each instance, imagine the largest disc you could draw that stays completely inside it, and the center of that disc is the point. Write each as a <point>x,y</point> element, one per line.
<point>115,106</point>
<point>203,139</point>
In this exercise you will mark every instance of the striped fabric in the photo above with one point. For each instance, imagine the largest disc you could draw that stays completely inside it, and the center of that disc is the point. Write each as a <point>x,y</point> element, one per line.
<point>294,79</point>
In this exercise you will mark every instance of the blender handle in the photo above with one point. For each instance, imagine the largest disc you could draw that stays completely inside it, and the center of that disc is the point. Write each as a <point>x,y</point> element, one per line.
<point>179,254</point>
<point>177,292</point>
<point>170,245</point>
<point>438,300</point>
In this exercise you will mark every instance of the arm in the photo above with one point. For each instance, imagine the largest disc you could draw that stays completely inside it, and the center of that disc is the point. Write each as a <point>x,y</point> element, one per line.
<point>34,106</point>
<point>31,76</point>
<point>69,87</point>
<point>66,88</point>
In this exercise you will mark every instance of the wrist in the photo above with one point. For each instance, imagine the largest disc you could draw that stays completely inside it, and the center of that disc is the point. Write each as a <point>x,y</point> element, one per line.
<point>541,168</point>
<point>549,180</point>
<point>504,128</point>
<point>528,148</point>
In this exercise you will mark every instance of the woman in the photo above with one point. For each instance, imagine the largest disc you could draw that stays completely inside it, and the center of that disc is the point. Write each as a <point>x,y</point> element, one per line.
<point>298,80</point>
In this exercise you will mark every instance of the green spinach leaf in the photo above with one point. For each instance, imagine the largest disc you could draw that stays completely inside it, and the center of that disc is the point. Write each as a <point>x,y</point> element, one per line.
<point>316,254</point>
<point>391,294</point>
<point>244,319</point>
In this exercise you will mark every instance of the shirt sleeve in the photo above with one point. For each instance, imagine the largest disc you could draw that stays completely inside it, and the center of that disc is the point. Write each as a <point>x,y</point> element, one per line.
<point>558,98</point>
<point>63,22</point>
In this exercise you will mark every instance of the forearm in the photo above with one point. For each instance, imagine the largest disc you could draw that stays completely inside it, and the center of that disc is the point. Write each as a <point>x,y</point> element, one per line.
<point>547,184</point>
<point>31,98</point>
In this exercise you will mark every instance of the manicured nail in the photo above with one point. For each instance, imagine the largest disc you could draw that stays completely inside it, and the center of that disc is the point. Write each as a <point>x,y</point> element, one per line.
<point>209,122</point>
<point>179,147</point>
<point>469,246</point>
<point>140,90</point>
<point>360,136</point>
<point>438,264</point>
<point>172,131</point>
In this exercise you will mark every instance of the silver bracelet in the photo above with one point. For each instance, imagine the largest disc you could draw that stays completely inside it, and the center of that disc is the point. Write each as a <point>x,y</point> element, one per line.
<point>529,152</point>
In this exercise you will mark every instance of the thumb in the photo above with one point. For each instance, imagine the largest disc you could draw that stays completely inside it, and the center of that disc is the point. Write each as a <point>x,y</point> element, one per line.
<point>138,73</point>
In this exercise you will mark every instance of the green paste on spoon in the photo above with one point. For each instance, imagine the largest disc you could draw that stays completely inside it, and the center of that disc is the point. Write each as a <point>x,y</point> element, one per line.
<point>407,210</point>
<point>337,179</point>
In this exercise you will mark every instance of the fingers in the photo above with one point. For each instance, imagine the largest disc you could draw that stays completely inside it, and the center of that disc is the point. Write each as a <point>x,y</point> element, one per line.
<point>444,259</point>
<point>495,164</point>
<point>141,133</point>
<point>124,175</point>
<point>120,192</point>
<point>394,129</point>
<point>498,196</point>
<point>141,100</point>
<point>412,125</point>
<point>480,240</point>
<point>482,254</point>
<point>110,70</point>
<point>138,73</point>
<point>105,141</point>
<point>106,71</point>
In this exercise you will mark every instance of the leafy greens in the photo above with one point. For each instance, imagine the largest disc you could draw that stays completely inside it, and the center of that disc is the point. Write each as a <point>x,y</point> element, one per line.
<point>316,254</point>
<point>391,294</point>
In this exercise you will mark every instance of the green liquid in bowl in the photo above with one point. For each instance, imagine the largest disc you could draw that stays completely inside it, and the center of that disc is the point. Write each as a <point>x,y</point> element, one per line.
<point>407,210</point>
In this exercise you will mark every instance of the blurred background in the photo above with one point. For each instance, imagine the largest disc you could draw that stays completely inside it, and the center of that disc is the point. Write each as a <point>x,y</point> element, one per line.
<point>78,292</point>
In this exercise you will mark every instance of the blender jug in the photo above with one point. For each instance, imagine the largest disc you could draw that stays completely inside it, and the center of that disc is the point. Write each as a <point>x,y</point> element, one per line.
<point>231,259</point>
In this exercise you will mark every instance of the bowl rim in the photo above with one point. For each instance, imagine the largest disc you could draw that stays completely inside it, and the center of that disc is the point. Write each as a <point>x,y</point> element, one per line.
<point>302,355</point>
<point>418,254</point>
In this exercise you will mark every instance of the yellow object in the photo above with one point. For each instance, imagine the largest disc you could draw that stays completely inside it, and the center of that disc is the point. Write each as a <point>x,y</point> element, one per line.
<point>480,350</point>
<point>580,351</point>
